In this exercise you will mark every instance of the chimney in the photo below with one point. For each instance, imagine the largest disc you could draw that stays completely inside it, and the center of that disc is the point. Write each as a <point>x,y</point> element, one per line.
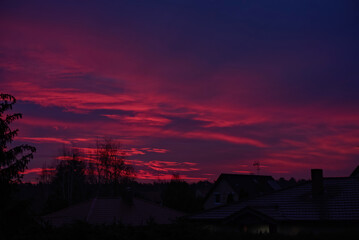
<point>317,182</point>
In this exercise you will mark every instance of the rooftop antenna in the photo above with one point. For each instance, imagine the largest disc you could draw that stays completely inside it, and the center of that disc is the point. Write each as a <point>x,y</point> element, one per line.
<point>257,164</point>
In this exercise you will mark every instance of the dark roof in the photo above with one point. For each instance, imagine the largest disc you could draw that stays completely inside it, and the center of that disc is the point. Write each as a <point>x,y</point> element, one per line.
<point>253,185</point>
<point>340,201</point>
<point>355,173</point>
<point>113,210</point>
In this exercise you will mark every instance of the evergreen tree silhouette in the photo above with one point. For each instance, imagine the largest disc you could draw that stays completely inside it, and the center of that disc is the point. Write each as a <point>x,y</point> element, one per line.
<point>13,161</point>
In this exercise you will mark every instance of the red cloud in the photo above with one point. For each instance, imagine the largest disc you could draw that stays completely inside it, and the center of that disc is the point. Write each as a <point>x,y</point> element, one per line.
<point>155,150</point>
<point>53,70</point>
<point>125,151</point>
<point>224,137</point>
<point>44,139</point>
<point>243,172</point>
<point>141,119</point>
<point>167,166</point>
<point>145,175</point>
<point>38,170</point>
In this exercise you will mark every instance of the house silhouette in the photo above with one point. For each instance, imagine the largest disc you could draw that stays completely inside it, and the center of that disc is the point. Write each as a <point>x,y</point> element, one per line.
<point>322,205</point>
<point>230,188</point>
<point>112,210</point>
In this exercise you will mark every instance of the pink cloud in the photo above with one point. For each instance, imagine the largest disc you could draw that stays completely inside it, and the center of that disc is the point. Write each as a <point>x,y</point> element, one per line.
<point>145,175</point>
<point>47,69</point>
<point>44,139</point>
<point>125,151</point>
<point>134,162</point>
<point>168,166</point>
<point>226,138</point>
<point>38,170</point>
<point>243,172</point>
<point>141,119</point>
<point>155,150</point>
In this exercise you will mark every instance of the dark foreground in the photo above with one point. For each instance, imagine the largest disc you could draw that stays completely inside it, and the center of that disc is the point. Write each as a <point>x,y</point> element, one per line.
<point>151,231</point>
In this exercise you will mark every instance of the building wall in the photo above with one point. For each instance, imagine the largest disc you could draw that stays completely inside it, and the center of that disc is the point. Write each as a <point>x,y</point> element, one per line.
<point>297,228</point>
<point>223,189</point>
<point>317,228</point>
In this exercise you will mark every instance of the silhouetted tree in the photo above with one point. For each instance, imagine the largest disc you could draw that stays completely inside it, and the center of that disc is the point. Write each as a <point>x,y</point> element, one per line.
<point>111,168</point>
<point>12,161</point>
<point>178,195</point>
<point>70,175</point>
<point>68,182</point>
<point>46,174</point>
<point>289,183</point>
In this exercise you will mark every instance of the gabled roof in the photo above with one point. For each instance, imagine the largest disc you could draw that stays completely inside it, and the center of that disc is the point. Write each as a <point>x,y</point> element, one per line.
<point>258,183</point>
<point>114,210</point>
<point>340,201</point>
<point>253,185</point>
<point>355,173</point>
<point>249,215</point>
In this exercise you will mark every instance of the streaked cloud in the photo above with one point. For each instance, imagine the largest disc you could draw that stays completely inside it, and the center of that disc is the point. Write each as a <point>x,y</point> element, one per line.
<point>211,92</point>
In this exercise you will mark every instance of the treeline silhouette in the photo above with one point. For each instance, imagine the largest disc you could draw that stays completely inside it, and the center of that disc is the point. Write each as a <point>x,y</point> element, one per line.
<point>108,175</point>
<point>104,174</point>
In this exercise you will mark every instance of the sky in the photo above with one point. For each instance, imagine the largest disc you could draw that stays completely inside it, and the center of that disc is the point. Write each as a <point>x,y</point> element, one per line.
<point>196,88</point>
